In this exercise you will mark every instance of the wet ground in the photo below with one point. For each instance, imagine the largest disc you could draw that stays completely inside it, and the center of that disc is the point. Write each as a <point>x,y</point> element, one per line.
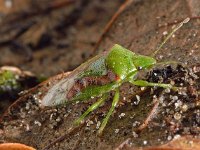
<point>140,27</point>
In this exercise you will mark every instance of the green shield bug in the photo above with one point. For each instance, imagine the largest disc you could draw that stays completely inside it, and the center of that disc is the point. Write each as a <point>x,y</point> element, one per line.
<point>102,74</point>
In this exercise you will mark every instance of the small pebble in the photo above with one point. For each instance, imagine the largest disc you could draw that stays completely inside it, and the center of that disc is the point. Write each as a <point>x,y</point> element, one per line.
<point>122,115</point>
<point>177,116</point>
<point>136,123</point>
<point>177,136</point>
<point>90,122</point>
<point>138,100</point>
<point>58,119</point>
<point>116,130</point>
<point>165,33</point>
<point>135,135</point>
<point>37,123</point>
<point>167,90</point>
<point>169,137</point>
<point>27,127</point>
<point>178,104</point>
<point>145,142</point>
<point>98,124</point>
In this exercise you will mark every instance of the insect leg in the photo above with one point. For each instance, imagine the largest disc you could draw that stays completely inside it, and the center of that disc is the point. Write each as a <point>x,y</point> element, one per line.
<point>114,104</point>
<point>91,108</point>
<point>145,83</point>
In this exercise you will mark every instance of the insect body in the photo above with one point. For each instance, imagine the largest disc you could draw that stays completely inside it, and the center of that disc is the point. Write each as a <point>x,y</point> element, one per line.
<point>84,82</point>
<point>100,75</point>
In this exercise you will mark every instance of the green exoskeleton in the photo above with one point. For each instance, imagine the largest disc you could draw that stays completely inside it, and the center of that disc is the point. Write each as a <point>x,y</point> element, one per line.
<point>102,74</point>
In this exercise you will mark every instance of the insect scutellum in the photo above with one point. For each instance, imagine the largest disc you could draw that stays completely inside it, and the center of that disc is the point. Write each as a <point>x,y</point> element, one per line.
<point>102,74</point>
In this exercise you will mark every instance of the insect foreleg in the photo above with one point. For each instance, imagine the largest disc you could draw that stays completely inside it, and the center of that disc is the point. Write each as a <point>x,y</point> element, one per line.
<point>145,83</point>
<point>91,108</point>
<point>114,104</point>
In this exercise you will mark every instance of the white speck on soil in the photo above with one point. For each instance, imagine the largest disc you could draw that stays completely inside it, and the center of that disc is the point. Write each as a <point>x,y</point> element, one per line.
<point>135,135</point>
<point>136,123</point>
<point>145,142</point>
<point>165,33</point>
<point>37,123</point>
<point>177,136</point>
<point>138,100</point>
<point>178,104</point>
<point>169,138</point>
<point>116,131</point>
<point>122,115</point>
<point>167,90</point>
<point>177,116</point>
<point>89,122</point>
<point>98,124</point>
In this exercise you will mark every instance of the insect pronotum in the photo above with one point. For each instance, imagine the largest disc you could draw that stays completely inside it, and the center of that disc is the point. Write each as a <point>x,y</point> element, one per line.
<point>104,73</point>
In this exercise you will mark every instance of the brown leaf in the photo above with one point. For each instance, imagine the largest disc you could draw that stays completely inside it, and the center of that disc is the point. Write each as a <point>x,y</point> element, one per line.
<point>140,29</point>
<point>15,146</point>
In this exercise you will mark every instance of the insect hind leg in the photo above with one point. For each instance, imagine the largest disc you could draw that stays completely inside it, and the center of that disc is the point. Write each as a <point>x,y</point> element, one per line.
<point>91,108</point>
<point>114,104</point>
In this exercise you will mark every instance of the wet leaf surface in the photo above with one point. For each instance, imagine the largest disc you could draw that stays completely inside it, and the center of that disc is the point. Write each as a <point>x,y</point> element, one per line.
<point>140,27</point>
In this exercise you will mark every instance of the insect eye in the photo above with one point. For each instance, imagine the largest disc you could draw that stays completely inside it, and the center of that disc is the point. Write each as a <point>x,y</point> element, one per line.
<point>139,68</point>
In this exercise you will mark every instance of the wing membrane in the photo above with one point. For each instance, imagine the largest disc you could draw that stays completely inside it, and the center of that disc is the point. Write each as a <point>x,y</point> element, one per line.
<point>57,93</point>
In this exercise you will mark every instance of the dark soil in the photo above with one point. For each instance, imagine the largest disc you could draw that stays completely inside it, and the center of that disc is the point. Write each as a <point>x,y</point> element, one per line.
<point>140,27</point>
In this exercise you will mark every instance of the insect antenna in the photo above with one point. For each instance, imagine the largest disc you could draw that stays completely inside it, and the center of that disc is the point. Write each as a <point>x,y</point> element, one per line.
<point>169,35</point>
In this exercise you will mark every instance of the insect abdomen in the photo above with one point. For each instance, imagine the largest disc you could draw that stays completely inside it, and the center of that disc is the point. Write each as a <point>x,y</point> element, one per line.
<point>84,82</point>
